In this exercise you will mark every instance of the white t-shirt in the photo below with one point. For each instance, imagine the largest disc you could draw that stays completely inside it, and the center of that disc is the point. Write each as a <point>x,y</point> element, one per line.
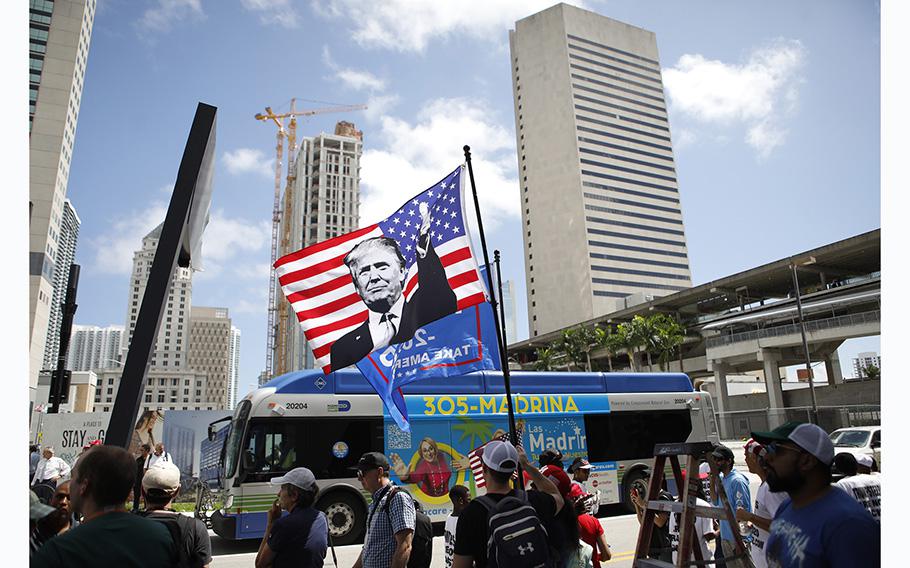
<point>766,504</point>
<point>702,527</point>
<point>449,535</point>
<point>867,490</point>
<point>150,461</point>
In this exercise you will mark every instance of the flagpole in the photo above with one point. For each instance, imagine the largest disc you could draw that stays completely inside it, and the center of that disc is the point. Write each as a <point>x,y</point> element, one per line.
<point>503,350</point>
<point>502,304</point>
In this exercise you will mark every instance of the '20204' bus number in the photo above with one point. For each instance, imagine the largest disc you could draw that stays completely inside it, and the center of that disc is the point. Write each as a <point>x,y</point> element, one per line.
<point>297,406</point>
<point>445,405</point>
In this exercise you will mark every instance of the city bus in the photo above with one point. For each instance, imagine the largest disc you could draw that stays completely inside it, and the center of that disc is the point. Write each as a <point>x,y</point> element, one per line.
<point>326,422</point>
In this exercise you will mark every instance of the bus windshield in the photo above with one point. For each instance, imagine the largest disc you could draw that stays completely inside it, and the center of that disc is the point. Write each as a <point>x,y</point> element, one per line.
<point>235,436</point>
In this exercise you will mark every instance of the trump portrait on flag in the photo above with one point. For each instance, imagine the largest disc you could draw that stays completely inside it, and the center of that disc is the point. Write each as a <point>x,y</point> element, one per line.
<point>377,286</point>
<point>378,270</point>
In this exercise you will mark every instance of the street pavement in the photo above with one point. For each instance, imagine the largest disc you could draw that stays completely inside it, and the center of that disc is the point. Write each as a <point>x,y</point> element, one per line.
<point>621,531</point>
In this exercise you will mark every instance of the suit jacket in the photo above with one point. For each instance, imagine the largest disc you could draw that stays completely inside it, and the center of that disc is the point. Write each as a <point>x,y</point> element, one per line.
<point>433,300</point>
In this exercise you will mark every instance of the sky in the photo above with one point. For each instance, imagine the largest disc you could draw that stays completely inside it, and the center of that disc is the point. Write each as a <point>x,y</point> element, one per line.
<point>774,112</point>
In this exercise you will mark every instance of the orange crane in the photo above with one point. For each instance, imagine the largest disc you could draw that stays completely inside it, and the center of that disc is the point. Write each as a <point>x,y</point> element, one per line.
<point>276,340</point>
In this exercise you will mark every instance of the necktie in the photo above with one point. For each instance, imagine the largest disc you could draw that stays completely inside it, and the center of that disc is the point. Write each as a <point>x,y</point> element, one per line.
<point>389,329</point>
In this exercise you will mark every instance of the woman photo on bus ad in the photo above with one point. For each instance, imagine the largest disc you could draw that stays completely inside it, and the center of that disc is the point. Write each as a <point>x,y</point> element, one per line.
<point>431,474</point>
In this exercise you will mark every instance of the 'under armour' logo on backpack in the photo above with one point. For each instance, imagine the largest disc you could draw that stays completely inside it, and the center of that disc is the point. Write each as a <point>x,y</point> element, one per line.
<point>523,549</point>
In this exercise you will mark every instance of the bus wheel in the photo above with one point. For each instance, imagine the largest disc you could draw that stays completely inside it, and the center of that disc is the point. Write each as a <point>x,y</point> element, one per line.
<point>637,480</point>
<point>346,515</point>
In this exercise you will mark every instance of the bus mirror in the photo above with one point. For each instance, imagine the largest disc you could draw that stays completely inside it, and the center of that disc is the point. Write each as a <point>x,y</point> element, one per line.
<point>229,502</point>
<point>211,432</point>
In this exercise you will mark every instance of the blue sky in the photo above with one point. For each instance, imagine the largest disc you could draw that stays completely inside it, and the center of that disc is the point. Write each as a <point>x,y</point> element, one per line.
<point>774,112</point>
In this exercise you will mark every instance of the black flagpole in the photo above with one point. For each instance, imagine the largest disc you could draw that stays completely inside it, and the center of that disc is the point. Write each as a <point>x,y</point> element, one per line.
<point>503,354</point>
<point>502,304</point>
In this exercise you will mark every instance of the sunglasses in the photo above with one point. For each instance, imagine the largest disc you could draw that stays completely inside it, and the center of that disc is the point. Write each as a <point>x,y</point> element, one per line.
<point>774,447</point>
<point>362,472</point>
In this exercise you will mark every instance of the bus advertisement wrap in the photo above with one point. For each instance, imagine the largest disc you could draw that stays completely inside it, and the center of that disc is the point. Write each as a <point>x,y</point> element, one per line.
<point>433,456</point>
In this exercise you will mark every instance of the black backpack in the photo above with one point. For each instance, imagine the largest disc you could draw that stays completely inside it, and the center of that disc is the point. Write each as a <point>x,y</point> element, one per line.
<point>422,542</point>
<point>175,525</point>
<point>517,537</point>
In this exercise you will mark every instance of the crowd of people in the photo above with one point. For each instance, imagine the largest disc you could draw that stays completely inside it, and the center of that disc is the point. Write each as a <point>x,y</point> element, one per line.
<point>812,509</point>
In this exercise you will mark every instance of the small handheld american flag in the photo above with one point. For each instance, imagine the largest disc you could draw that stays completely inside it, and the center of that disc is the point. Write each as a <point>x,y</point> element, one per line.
<point>475,455</point>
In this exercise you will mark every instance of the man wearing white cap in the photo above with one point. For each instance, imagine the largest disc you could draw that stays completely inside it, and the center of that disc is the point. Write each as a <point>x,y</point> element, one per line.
<point>301,537</point>
<point>160,486</point>
<point>500,460</point>
<point>818,525</point>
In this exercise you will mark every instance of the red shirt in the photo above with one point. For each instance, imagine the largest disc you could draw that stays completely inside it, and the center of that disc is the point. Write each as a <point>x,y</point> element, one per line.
<point>588,530</point>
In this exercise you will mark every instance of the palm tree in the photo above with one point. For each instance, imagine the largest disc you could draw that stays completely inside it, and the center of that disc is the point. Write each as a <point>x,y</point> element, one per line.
<point>545,356</point>
<point>667,336</point>
<point>628,341</point>
<point>611,342</point>
<point>578,343</point>
<point>872,371</point>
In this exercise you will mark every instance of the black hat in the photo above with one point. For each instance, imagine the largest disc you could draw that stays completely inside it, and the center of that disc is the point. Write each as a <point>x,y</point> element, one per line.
<point>550,455</point>
<point>372,460</point>
<point>722,452</point>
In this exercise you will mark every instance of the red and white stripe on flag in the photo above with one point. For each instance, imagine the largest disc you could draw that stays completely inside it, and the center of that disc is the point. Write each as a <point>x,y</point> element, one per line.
<point>321,291</point>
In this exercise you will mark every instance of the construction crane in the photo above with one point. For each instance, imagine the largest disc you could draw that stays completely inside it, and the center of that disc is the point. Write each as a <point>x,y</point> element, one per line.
<point>276,336</point>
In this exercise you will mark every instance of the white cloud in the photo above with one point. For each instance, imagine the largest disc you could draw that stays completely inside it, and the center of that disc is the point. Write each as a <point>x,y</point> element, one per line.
<point>355,79</point>
<point>414,156</point>
<point>757,94</point>
<point>683,138</point>
<point>114,249</point>
<point>278,12</point>
<point>165,13</point>
<point>254,300</point>
<point>224,241</point>
<point>248,160</point>
<point>225,238</point>
<point>405,25</point>
<point>379,106</point>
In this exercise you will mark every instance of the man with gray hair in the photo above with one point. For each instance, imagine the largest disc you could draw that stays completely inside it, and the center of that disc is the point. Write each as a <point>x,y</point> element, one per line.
<point>51,469</point>
<point>378,270</point>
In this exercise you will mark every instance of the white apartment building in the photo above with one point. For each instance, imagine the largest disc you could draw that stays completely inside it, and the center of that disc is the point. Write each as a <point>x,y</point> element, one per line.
<point>60,33</point>
<point>94,347</point>
<point>601,217</point>
<point>863,360</point>
<point>66,254</point>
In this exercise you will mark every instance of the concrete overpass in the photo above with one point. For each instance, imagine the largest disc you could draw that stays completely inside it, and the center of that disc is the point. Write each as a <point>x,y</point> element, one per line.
<point>748,321</point>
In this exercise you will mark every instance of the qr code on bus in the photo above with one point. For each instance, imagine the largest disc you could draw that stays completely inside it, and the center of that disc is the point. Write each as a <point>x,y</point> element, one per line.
<point>396,438</point>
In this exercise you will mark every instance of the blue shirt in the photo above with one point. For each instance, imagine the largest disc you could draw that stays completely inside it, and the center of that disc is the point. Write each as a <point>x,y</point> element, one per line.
<point>736,486</point>
<point>383,523</point>
<point>300,538</point>
<point>832,532</point>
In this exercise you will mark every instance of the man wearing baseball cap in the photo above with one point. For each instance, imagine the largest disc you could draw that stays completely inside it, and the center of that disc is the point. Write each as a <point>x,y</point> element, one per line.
<point>818,525</point>
<point>500,460</point>
<point>736,486</point>
<point>390,534</point>
<point>301,537</point>
<point>160,486</point>
<point>766,504</point>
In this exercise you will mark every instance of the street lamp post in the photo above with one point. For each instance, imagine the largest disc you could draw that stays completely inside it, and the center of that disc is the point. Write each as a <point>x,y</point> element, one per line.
<point>802,330</point>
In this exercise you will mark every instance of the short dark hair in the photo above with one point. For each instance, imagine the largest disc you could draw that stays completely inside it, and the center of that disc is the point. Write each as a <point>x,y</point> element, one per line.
<point>158,497</point>
<point>110,472</point>
<point>305,498</point>
<point>499,476</point>
<point>146,447</point>
<point>845,463</point>
<point>33,448</point>
<point>458,491</point>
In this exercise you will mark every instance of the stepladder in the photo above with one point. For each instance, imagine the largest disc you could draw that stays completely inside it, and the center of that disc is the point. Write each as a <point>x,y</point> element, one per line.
<point>689,550</point>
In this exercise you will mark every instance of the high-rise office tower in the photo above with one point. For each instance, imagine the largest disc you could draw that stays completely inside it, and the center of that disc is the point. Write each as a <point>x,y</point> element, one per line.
<point>326,204</point>
<point>601,217</point>
<point>210,352</point>
<point>59,35</point>
<point>66,254</point>
<point>173,337</point>
<point>93,347</point>
<point>234,368</point>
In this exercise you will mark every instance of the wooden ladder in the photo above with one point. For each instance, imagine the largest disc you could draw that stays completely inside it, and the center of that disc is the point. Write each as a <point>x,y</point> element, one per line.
<point>688,537</point>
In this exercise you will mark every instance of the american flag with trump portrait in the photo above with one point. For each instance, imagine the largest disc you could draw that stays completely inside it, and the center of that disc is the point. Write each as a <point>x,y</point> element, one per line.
<point>375,287</point>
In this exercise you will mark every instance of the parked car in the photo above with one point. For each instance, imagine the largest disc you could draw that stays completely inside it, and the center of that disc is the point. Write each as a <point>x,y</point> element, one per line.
<point>859,440</point>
